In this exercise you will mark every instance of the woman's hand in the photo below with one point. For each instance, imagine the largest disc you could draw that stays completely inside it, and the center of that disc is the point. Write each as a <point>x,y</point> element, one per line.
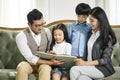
<point>80,62</point>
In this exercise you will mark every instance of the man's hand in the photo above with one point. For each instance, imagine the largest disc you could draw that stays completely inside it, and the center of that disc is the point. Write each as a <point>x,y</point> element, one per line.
<point>57,62</point>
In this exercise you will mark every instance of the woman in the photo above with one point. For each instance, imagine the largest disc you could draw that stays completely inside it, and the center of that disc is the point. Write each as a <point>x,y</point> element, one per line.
<point>100,46</point>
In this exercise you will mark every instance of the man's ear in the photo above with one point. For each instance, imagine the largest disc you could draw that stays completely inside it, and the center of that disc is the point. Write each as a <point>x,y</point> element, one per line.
<point>29,24</point>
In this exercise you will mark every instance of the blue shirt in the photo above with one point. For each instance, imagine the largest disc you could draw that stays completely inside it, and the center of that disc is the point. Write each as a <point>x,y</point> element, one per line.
<point>78,34</point>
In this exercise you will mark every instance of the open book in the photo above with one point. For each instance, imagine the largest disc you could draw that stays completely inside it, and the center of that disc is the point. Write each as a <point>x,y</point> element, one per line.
<point>69,60</point>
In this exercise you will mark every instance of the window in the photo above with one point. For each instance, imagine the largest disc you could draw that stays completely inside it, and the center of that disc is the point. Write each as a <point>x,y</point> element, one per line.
<point>114,12</point>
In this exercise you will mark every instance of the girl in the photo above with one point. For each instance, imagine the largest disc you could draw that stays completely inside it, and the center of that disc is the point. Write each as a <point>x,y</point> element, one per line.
<point>100,46</point>
<point>60,45</point>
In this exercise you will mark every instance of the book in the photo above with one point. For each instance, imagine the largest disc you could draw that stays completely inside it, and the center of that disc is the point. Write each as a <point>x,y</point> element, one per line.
<point>69,60</point>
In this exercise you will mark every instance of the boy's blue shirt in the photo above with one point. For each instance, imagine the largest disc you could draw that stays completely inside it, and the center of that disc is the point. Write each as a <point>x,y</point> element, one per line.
<point>78,34</point>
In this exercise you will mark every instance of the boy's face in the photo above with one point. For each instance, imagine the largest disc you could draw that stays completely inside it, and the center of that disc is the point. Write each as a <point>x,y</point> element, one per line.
<point>82,18</point>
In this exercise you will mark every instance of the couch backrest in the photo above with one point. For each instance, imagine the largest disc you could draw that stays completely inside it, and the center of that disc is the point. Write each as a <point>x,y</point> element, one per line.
<point>116,28</point>
<point>116,49</point>
<point>10,55</point>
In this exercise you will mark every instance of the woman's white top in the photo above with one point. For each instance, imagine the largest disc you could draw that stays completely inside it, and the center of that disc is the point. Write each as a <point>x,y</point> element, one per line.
<point>90,44</point>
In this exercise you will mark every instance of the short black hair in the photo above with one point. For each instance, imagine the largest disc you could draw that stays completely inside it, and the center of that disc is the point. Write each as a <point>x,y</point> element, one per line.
<point>82,9</point>
<point>34,15</point>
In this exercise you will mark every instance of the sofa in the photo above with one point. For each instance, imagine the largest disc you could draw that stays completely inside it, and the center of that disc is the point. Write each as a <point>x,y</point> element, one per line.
<point>10,55</point>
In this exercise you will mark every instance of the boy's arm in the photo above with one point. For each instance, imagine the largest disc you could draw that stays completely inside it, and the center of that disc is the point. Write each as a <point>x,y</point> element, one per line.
<point>70,32</point>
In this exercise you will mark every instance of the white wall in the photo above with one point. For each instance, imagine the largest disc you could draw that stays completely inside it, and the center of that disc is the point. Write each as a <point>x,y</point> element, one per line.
<point>65,9</point>
<point>44,7</point>
<point>13,12</point>
<point>60,9</point>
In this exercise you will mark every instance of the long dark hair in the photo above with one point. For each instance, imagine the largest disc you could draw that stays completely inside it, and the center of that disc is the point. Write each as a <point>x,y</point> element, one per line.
<point>105,28</point>
<point>65,32</point>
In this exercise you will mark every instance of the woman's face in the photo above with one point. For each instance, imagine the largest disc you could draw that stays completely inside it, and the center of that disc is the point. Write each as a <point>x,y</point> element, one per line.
<point>94,23</point>
<point>58,36</point>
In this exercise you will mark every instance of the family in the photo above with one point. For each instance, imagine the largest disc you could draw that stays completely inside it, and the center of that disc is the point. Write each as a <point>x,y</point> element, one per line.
<point>91,42</point>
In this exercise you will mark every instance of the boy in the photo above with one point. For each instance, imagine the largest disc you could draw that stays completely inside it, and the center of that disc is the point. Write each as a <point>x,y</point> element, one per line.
<point>78,31</point>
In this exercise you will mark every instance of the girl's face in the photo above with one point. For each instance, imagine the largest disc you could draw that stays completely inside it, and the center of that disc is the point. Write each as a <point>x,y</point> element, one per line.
<point>94,23</point>
<point>58,36</point>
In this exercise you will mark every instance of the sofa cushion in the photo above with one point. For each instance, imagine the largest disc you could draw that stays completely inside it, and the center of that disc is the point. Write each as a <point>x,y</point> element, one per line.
<point>115,76</point>
<point>116,49</point>
<point>9,53</point>
<point>5,73</point>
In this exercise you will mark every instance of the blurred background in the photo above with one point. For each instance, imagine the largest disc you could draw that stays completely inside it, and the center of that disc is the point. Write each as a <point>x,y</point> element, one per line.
<point>13,12</point>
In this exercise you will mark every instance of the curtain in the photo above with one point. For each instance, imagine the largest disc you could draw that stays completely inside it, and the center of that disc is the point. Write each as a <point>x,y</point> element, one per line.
<point>114,12</point>
<point>13,12</point>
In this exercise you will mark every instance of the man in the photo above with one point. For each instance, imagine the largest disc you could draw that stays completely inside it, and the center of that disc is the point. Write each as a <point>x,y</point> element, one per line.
<point>33,39</point>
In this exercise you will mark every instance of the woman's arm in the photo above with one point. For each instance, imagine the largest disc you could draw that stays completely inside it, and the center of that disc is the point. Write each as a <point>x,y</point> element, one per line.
<point>81,62</point>
<point>107,52</point>
<point>105,57</point>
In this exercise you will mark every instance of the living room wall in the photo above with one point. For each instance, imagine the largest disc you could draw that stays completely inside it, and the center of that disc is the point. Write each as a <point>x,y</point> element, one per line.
<point>13,12</point>
<point>64,9</point>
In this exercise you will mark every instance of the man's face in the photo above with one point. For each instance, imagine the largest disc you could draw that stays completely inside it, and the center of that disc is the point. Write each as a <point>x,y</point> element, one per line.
<point>37,25</point>
<point>82,18</point>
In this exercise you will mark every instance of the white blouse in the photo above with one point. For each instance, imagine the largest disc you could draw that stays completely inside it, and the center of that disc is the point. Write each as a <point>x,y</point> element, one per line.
<point>90,44</point>
<point>62,48</point>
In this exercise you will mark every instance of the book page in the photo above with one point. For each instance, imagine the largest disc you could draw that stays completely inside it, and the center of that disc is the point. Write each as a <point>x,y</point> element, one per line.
<point>69,60</point>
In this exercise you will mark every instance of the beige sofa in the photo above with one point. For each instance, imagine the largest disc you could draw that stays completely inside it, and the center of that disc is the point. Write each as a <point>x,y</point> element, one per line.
<point>10,55</point>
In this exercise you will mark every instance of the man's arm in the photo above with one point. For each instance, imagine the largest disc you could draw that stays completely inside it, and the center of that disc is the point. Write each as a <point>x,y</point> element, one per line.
<point>24,48</point>
<point>50,62</point>
<point>26,52</point>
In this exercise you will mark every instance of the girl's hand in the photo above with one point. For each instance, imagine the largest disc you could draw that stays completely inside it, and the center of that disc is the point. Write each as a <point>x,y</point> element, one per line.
<point>52,52</point>
<point>80,62</point>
